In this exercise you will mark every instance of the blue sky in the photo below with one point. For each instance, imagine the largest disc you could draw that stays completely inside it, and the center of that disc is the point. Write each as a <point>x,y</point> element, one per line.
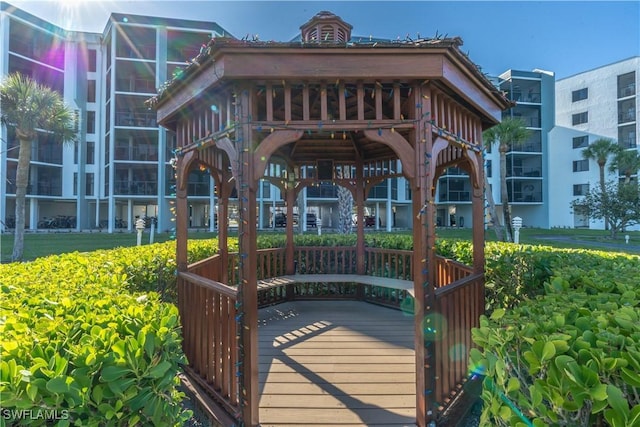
<point>566,37</point>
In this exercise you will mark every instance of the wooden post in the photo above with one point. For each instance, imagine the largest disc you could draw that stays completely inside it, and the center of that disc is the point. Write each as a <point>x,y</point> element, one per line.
<point>424,258</point>
<point>248,287</point>
<point>290,197</point>
<point>182,209</point>
<point>223,236</point>
<point>182,214</point>
<point>478,218</point>
<point>360,198</point>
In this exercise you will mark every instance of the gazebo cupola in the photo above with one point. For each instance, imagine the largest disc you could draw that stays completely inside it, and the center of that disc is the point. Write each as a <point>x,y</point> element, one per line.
<point>326,27</point>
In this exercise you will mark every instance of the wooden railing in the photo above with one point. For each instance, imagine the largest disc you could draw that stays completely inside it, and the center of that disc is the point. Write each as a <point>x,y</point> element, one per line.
<point>325,259</point>
<point>208,316</point>
<point>459,306</point>
<point>208,309</point>
<point>394,264</point>
<point>391,263</point>
<point>209,268</point>
<point>449,271</point>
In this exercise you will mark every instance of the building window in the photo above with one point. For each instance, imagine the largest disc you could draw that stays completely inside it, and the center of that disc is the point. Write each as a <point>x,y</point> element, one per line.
<point>266,190</point>
<point>580,189</point>
<point>91,91</point>
<point>627,84</point>
<point>580,165</point>
<point>489,168</point>
<point>89,183</point>
<point>580,118</point>
<point>92,60</point>
<point>91,122</point>
<point>579,95</point>
<point>91,152</point>
<point>581,141</point>
<point>627,136</point>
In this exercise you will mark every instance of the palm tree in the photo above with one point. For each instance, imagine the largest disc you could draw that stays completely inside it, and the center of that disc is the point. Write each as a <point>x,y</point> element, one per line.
<point>600,150</point>
<point>345,203</point>
<point>627,162</point>
<point>510,133</point>
<point>29,107</point>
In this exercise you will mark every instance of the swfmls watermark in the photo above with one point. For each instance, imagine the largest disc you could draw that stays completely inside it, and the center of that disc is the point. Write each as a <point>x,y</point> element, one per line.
<point>34,414</point>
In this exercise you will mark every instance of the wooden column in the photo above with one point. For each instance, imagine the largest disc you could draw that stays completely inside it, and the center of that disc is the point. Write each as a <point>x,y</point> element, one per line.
<point>223,228</point>
<point>423,258</point>
<point>360,198</point>
<point>248,287</point>
<point>290,198</point>
<point>182,209</point>
<point>478,211</point>
<point>182,215</point>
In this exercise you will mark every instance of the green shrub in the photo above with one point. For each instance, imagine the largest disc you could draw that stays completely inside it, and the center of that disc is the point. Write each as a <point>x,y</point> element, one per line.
<point>569,357</point>
<point>84,339</point>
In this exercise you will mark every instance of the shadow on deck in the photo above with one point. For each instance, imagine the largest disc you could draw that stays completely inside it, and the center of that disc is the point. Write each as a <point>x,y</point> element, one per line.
<point>344,363</point>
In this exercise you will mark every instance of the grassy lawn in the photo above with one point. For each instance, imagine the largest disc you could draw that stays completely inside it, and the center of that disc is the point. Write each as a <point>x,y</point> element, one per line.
<point>42,244</point>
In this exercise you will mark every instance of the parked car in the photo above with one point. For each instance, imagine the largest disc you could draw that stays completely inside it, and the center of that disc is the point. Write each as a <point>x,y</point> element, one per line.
<point>369,221</point>
<point>280,219</point>
<point>312,221</point>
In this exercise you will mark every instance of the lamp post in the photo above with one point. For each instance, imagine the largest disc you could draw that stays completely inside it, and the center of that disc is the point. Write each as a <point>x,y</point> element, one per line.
<point>139,229</point>
<point>517,225</point>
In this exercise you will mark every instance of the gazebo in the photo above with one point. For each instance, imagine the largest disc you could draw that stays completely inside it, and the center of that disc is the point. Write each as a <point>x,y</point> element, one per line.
<point>327,107</point>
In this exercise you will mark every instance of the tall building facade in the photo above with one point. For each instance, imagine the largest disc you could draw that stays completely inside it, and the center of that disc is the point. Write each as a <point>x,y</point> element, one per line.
<point>121,168</point>
<point>533,93</point>
<point>599,103</point>
<point>527,163</point>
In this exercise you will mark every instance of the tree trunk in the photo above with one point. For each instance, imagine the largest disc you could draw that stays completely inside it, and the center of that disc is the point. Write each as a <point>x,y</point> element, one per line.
<point>345,204</point>
<point>602,189</point>
<point>22,180</point>
<point>504,195</point>
<point>497,227</point>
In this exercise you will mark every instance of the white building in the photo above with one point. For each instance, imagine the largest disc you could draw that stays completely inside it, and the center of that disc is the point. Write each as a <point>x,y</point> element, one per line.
<point>599,103</point>
<point>121,169</point>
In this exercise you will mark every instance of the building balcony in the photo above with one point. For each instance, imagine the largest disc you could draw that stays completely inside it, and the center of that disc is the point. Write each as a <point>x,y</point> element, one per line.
<point>528,147</point>
<point>138,154</point>
<point>522,197</point>
<point>518,171</point>
<point>137,52</point>
<point>42,188</point>
<point>136,85</point>
<point>530,97</point>
<point>627,116</point>
<point>136,119</point>
<point>322,191</point>
<point>628,90</point>
<point>135,188</point>
<point>198,189</point>
<point>455,196</point>
<point>627,143</point>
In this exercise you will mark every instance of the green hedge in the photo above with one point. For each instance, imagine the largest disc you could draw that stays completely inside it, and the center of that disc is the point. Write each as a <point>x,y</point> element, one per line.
<point>85,341</point>
<point>569,356</point>
<point>87,336</point>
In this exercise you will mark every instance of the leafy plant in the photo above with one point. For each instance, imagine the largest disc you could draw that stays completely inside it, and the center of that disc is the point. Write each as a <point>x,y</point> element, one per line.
<point>569,357</point>
<point>83,336</point>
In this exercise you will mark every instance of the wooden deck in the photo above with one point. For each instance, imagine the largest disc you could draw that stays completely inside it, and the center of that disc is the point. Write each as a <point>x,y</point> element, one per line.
<point>336,363</point>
